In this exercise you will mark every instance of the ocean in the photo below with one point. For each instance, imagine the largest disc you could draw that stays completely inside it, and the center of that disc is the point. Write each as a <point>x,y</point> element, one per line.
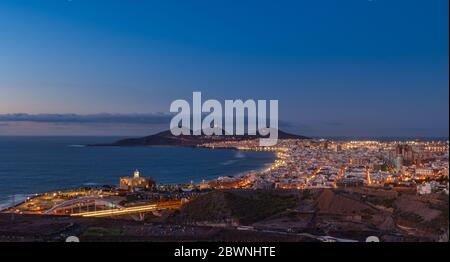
<point>30,165</point>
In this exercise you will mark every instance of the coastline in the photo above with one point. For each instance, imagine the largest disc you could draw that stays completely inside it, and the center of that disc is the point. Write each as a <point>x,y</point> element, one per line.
<point>263,169</point>
<point>6,201</point>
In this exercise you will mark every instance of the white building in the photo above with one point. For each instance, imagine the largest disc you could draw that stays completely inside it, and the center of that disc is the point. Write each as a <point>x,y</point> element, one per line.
<point>424,189</point>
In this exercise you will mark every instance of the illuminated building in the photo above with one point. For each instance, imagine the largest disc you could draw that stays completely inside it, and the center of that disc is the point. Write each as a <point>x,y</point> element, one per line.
<point>398,163</point>
<point>424,171</point>
<point>136,182</point>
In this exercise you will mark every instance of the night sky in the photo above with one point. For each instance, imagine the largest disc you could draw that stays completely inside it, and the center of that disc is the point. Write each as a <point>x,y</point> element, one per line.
<point>338,68</point>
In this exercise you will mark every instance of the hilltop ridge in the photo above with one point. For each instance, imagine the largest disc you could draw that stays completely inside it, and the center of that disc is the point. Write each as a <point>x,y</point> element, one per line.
<point>166,138</point>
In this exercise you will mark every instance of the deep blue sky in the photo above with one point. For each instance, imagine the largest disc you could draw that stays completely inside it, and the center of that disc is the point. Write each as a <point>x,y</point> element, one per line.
<point>338,67</point>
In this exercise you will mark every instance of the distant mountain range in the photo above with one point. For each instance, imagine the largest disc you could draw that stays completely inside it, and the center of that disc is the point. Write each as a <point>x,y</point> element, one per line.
<point>166,138</point>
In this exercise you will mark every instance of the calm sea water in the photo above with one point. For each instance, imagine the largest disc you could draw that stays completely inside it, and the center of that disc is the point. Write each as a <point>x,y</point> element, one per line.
<point>37,164</point>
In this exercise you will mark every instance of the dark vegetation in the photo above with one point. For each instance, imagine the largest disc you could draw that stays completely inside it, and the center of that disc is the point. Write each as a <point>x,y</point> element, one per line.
<point>236,206</point>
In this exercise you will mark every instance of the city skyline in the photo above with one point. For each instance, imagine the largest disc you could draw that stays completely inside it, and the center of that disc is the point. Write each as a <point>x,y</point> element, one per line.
<point>355,68</point>
<point>225,128</point>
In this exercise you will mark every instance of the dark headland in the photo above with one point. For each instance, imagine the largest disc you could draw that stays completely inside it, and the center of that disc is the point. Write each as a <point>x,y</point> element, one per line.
<point>166,138</point>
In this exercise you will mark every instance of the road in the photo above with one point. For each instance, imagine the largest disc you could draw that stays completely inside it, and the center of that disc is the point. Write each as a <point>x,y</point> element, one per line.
<point>131,210</point>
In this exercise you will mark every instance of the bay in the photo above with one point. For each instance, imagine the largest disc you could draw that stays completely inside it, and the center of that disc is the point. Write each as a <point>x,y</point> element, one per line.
<point>31,165</point>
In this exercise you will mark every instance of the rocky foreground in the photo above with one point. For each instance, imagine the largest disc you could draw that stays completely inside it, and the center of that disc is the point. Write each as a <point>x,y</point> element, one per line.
<point>246,215</point>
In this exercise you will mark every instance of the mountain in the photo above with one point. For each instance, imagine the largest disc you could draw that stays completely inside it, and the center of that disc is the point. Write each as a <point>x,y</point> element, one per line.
<point>166,138</point>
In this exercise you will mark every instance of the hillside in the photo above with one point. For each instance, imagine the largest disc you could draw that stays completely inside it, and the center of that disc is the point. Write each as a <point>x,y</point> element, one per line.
<point>166,138</point>
<point>242,207</point>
